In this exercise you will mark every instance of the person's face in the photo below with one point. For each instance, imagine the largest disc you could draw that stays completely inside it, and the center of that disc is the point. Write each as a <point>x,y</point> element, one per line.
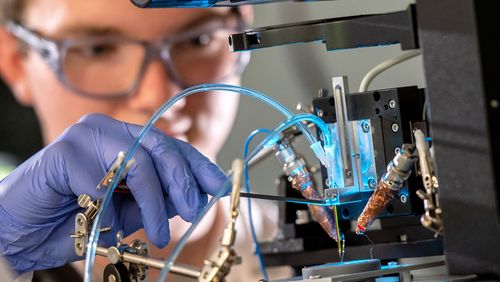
<point>203,120</point>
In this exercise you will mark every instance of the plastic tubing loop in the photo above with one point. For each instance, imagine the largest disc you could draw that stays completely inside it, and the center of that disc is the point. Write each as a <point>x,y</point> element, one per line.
<point>249,201</point>
<point>274,135</point>
<point>94,235</point>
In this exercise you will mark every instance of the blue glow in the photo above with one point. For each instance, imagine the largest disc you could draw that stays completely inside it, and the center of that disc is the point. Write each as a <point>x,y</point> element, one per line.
<point>366,155</point>
<point>352,262</point>
<point>182,4</point>
<point>393,266</point>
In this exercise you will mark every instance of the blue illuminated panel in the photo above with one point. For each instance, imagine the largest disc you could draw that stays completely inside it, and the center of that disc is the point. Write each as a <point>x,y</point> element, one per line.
<point>175,3</point>
<point>366,155</point>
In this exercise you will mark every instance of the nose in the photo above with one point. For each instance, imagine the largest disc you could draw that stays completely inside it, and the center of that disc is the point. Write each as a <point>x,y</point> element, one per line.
<point>154,89</point>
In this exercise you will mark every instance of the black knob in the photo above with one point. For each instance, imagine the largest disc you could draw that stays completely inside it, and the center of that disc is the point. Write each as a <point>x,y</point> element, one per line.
<point>116,273</point>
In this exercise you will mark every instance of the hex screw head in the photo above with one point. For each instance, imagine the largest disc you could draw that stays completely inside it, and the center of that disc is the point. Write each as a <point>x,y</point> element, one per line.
<point>320,113</point>
<point>403,198</point>
<point>365,125</point>
<point>392,104</point>
<point>494,103</point>
<point>372,183</point>
<point>395,127</point>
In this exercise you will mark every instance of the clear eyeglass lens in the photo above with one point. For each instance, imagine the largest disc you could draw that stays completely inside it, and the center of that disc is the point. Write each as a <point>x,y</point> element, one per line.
<point>103,68</point>
<point>205,58</point>
<point>107,68</point>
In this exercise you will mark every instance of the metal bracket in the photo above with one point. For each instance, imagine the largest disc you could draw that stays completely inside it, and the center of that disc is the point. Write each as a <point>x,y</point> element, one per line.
<point>111,173</point>
<point>83,222</point>
<point>337,34</point>
<point>219,264</point>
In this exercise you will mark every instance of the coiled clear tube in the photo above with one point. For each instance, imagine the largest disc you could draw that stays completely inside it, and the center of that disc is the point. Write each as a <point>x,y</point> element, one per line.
<point>94,235</point>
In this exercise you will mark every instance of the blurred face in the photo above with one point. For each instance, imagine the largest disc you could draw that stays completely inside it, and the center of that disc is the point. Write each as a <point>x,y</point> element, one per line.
<point>203,120</point>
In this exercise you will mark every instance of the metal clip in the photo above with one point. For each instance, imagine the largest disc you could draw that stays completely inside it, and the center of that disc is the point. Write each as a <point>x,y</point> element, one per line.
<point>83,222</point>
<point>111,173</point>
<point>219,264</point>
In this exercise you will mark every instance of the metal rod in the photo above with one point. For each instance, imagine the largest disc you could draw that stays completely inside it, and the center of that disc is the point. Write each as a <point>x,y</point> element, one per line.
<point>289,133</point>
<point>343,131</point>
<point>179,269</point>
<point>281,199</point>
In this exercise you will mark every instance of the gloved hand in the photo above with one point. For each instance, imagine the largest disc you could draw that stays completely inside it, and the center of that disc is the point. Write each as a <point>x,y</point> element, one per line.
<point>38,201</point>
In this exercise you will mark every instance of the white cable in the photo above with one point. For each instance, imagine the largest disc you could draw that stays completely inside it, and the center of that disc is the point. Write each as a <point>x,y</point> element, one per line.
<point>380,68</point>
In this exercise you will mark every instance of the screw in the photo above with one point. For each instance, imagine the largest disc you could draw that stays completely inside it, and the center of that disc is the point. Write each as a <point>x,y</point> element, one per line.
<point>403,198</point>
<point>105,229</point>
<point>372,183</point>
<point>84,200</point>
<point>365,125</point>
<point>320,113</point>
<point>392,104</point>
<point>119,237</point>
<point>395,127</point>
<point>494,103</point>
<point>403,238</point>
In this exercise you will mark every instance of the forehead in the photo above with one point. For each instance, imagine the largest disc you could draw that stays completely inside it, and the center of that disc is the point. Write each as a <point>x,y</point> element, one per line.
<point>62,17</point>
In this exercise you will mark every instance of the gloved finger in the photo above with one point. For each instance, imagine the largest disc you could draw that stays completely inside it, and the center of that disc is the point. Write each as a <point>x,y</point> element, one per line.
<point>209,176</point>
<point>128,213</point>
<point>90,148</point>
<point>177,178</point>
<point>175,175</point>
<point>146,189</point>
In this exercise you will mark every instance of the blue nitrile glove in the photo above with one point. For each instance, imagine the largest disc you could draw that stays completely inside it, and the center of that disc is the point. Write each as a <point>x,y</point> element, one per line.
<point>38,201</point>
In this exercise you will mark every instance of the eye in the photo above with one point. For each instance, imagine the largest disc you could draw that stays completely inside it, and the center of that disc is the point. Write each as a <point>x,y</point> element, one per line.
<point>101,50</point>
<point>95,51</point>
<point>202,40</point>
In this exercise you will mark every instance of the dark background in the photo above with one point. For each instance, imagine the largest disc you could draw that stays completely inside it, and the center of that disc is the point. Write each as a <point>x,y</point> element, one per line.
<point>19,130</point>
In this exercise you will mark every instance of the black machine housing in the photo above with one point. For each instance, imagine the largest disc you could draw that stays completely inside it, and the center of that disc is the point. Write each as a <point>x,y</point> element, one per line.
<point>459,42</point>
<point>400,233</point>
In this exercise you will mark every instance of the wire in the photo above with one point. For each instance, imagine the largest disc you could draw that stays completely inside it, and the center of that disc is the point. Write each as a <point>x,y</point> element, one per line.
<point>380,68</point>
<point>250,214</point>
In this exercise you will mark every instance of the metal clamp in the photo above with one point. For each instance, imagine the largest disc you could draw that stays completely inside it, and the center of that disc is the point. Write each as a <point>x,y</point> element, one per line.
<point>432,216</point>
<point>219,264</point>
<point>83,221</point>
<point>112,171</point>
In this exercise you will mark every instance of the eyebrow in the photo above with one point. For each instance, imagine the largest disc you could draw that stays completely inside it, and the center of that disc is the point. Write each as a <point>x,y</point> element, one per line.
<point>205,18</point>
<point>93,30</point>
